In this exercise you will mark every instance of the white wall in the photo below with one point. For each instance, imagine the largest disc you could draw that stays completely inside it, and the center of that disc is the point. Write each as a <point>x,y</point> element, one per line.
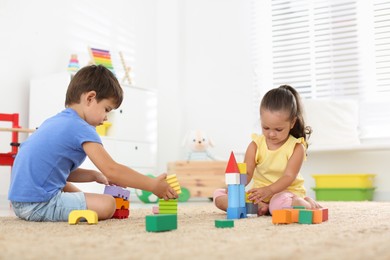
<point>205,46</point>
<point>217,72</point>
<point>38,37</point>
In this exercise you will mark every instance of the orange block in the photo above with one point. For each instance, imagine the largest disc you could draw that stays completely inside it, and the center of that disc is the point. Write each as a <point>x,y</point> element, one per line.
<point>282,216</point>
<point>317,216</point>
<point>122,203</point>
<point>294,215</point>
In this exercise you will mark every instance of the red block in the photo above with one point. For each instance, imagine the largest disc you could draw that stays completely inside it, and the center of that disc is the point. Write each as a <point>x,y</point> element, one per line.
<point>324,214</point>
<point>121,213</point>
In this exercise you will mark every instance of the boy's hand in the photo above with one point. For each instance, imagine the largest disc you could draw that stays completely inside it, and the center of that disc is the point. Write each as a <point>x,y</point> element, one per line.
<point>162,189</point>
<point>100,178</point>
<point>259,194</point>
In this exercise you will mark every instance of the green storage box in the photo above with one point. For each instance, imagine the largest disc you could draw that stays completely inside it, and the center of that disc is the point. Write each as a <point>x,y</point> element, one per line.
<point>343,194</point>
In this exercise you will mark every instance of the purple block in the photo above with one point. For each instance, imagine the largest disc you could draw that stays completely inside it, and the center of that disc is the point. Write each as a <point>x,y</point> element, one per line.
<point>117,192</point>
<point>243,179</point>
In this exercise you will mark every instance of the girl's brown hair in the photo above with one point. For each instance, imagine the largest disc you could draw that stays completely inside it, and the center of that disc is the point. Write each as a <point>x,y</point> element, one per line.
<point>286,98</point>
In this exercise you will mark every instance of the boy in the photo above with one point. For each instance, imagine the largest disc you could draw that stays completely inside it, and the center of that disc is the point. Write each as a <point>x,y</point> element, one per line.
<point>48,160</point>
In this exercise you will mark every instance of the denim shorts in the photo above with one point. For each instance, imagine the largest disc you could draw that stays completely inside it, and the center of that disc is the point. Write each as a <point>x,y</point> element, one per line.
<point>56,209</point>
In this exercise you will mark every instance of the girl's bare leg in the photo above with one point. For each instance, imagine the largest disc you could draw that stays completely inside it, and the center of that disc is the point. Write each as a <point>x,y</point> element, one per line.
<point>221,202</point>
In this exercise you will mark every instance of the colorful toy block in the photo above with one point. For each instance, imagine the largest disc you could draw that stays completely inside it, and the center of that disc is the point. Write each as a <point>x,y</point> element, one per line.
<point>224,223</point>
<point>232,178</point>
<point>167,206</point>
<point>89,215</point>
<point>294,215</point>
<point>305,216</point>
<point>117,192</point>
<point>159,223</point>
<point>236,213</point>
<point>156,210</point>
<point>121,203</point>
<point>232,165</point>
<point>251,209</point>
<point>301,215</point>
<point>121,213</point>
<point>324,214</point>
<point>281,216</point>
<point>173,182</point>
<point>317,216</point>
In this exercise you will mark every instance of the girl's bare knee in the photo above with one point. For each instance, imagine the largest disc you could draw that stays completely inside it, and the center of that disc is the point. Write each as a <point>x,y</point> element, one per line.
<point>221,202</point>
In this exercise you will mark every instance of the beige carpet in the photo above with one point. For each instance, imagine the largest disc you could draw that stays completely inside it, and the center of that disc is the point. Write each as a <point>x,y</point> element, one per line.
<point>355,230</point>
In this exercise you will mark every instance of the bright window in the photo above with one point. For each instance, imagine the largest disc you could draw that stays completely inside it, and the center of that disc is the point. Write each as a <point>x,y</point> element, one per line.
<point>327,49</point>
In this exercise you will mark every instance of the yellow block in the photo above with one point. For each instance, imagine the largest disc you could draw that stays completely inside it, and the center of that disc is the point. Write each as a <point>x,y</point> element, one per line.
<point>102,129</point>
<point>242,168</point>
<point>75,216</point>
<point>172,181</point>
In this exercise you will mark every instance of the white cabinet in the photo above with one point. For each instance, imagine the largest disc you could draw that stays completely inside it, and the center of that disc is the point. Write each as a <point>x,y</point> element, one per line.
<point>130,140</point>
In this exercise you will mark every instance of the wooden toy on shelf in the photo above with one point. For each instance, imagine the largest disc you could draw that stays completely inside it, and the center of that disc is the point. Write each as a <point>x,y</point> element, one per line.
<point>76,215</point>
<point>101,57</point>
<point>127,70</point>
<point>73,65</point>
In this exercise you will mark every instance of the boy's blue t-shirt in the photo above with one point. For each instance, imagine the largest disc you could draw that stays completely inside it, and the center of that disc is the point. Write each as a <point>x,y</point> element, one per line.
<point>45,160</point>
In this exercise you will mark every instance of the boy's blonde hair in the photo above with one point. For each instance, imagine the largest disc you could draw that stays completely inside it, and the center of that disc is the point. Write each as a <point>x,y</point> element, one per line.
<point>94,78</point>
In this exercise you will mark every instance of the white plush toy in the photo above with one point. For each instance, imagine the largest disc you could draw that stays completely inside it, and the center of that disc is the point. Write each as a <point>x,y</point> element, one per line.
<point>198,144</point>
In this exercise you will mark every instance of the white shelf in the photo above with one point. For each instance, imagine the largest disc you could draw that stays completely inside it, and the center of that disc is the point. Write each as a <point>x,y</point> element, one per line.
<point>372,145</point>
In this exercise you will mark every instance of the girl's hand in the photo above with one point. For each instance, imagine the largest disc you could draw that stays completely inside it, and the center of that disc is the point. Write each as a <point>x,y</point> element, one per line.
<point>100,178</point>
<point>257,195</point>
<point>162,189</point>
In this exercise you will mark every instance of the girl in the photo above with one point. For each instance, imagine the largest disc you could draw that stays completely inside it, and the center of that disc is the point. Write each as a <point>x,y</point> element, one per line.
<point>274,158</point>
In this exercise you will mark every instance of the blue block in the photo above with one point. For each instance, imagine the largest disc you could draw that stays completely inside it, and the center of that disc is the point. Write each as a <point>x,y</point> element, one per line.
<point>233,195</point>
<point>242,196</point>
<point>236,213</point>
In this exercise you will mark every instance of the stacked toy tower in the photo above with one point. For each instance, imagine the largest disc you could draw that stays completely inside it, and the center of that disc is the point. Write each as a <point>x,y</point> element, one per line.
<point>170,206</point>
<point>122,202</point>
<point>166,219</point>
<point>236,178</point>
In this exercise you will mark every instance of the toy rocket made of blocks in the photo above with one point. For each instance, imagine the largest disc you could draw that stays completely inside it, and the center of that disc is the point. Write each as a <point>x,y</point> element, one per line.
<point>236,178</point>
<point>122,202</point>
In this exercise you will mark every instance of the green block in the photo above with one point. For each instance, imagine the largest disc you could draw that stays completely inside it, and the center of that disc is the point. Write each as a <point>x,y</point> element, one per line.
<point>167,211</point>
<point>168,202</point>
<point>159,223</point>
<point>224,223</point>
<point>298,207</point>
<point>305,217</point>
